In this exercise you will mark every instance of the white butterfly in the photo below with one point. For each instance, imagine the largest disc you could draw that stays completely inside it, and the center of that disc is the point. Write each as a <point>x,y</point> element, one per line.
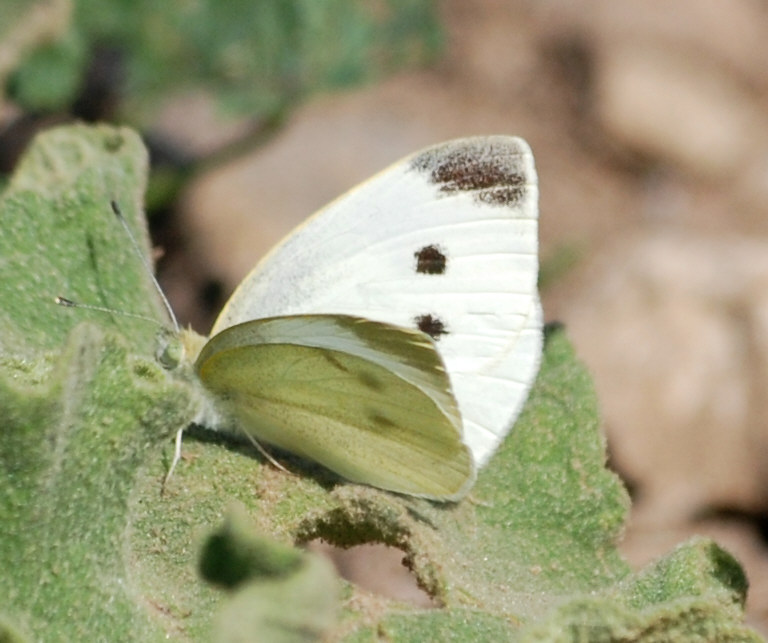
<point>395,335</point>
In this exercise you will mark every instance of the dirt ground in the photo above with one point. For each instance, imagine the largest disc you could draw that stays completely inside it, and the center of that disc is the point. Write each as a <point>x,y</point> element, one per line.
<point>650,130</point>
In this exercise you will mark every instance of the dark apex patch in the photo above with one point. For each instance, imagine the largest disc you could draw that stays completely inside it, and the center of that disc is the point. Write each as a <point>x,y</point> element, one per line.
<point>490,171</point>
<point>430,325</point>
<point>430,261</point>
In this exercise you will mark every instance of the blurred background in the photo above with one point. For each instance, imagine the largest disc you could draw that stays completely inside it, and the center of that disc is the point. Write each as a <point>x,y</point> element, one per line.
<point>649,124</point>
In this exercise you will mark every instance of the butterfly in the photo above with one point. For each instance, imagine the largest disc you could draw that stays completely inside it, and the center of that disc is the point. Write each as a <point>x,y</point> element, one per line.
<point>395,335</point>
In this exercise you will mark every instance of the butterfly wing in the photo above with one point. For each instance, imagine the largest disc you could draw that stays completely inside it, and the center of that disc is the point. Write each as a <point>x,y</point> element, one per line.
<point>444,241</point>
<point>370,401</point>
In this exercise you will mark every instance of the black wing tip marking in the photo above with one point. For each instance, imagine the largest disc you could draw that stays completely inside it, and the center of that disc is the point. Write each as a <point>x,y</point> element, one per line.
<point>494,169</point>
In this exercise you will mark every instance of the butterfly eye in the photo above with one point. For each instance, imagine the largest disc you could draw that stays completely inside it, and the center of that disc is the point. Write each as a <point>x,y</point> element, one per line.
<point>168,350</point>
<point>430,260</point>
<point>432,326</point>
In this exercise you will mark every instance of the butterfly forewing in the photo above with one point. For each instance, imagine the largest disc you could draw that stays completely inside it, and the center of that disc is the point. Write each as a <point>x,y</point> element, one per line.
<point>367,400</point>
<point>445,242</point>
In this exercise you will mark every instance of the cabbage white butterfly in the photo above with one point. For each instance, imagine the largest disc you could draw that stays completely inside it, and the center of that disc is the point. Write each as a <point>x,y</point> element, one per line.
<point>395,335</point>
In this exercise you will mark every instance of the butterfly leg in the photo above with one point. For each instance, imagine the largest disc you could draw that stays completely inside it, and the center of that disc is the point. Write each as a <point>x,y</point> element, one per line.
<point>266,453</point>
<point>174,462</point>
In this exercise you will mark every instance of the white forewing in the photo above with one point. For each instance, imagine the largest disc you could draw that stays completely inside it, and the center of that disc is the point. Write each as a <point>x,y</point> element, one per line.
<point>444,241</point>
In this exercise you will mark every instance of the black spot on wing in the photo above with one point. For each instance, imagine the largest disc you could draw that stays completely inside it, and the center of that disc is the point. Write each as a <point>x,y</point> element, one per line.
<point>381,422</point>
<point>490,169</point>
<point>370,381</point>
<point>328,355</point>
<point>430,260</point>
<point>431,325</point>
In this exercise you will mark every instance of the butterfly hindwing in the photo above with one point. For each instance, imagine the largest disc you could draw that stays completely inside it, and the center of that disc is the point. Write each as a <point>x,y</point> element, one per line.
<point>369,401</point>
<point>445,242</point>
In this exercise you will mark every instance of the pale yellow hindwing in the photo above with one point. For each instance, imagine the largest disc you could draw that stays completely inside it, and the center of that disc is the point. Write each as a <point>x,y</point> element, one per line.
<point>368,400</point>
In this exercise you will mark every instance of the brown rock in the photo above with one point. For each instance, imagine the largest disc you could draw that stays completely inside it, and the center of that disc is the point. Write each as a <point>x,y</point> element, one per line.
<point>675,331</point>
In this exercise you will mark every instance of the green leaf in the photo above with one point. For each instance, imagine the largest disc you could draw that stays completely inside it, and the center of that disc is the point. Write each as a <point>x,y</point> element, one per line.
<point>92,551</point>
<point>253,57</point>
<point>79,410</point>
<point>282,594</point>
<point>26,25</point>
<point>233,554</point>
<point>695,593</point>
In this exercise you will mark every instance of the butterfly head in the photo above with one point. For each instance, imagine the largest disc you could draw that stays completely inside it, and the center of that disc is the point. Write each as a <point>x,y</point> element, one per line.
<point>175,349</point>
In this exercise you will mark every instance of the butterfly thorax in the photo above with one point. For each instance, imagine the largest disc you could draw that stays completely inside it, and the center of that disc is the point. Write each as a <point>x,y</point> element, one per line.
<point>179,352</point>
<point>191,343</point>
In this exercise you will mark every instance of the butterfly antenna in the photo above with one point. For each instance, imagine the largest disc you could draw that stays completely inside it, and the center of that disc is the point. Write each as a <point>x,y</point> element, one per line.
<point>118,213</point>
<point>69,303</point>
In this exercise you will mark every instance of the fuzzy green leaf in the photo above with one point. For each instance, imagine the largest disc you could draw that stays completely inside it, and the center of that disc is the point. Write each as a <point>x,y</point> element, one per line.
<point>281,594</point>
<point>92,551</point>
